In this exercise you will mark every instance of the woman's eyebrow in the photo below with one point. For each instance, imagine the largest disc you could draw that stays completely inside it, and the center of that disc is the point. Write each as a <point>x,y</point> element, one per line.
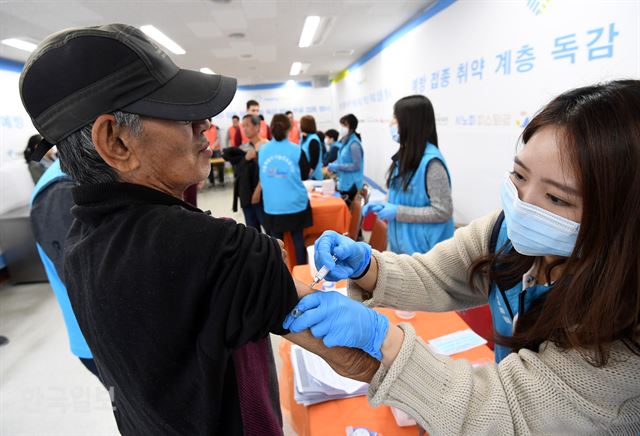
<point>519,162</point>
<point>562,187</point>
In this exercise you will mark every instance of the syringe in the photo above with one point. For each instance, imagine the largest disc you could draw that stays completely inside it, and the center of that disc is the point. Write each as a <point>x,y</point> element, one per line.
<point>320,275</point>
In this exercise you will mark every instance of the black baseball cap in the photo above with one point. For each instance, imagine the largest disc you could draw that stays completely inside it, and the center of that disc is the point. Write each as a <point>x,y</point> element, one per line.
<point>75,75</point>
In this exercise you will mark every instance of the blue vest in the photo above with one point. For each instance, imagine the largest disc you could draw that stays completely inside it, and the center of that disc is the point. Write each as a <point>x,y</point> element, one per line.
<point>282,189</point>
<point>77,342</point>
<point>409,238</point>
<point>505,304</point>
<point>346,179</point>
<point>316,174</point>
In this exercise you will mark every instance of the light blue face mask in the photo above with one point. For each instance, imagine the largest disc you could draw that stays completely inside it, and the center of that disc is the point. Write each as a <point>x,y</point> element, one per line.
<point>534,231</point>
<point>393,129</point>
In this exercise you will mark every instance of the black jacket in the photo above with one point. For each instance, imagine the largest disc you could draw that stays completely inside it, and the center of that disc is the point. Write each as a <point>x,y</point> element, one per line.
<point>172,303</point>
<point>247,176</point>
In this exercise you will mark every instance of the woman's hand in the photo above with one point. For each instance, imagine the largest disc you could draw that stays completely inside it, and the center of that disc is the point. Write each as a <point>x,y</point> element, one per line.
<point>339,321</point>
<point>372,207</point>
<point>385,211</point>
<point>388,212</point>
<point>353,257</point>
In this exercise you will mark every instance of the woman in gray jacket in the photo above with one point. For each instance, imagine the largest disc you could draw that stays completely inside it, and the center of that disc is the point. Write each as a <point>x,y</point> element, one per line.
<point>559,266</point>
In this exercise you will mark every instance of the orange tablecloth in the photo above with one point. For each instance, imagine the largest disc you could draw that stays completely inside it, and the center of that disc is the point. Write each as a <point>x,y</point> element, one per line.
<point>332,417</point>
<point>329,213</point>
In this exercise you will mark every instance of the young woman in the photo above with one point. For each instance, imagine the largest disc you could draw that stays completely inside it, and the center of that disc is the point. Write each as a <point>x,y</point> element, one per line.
<point>312,146</point>
<point>283,167</point>
<point>419,208</point>
<point>333,145</point>
<point>559,266</point>
<point>350,163</point>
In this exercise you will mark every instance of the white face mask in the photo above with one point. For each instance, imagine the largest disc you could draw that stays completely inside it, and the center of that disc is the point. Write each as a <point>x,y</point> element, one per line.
<point>343,131</point>
<point>535,231</point>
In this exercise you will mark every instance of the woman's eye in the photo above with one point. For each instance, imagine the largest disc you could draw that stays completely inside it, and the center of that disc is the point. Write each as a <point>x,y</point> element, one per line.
<point>517,175</point>
<point>557,201</point>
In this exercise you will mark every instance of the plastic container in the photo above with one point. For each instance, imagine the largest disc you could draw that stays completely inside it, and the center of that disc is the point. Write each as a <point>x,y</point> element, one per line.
<point>368,221</point>
<point>405,314</point>
<point>328,187</point>
<point>360,431</point>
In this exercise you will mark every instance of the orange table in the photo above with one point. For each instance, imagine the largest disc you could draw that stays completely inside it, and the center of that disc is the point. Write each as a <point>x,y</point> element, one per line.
<point>331,418</point>
<point>329,213</point>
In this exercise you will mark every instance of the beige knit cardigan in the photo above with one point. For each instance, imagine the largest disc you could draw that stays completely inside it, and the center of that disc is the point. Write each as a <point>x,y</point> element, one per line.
<point>551,392</point>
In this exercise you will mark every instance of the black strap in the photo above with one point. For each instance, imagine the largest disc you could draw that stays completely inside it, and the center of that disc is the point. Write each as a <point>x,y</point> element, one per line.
<point>495,232</point>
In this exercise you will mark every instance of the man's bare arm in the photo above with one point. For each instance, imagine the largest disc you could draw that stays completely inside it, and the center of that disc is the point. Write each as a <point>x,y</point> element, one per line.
<point>348,362</point>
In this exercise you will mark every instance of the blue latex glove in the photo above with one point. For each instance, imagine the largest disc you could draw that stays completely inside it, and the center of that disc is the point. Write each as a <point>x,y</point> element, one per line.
<point>333,167</point>
<point>388,212</point>
<point>353,257</point>
<point>372,207</point>
<point>340,321</point>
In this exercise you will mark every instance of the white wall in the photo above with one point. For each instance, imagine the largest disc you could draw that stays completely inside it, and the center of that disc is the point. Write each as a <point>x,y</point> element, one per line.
<point>15,129</point>
<point>301,100</point>
<point>480,119</point>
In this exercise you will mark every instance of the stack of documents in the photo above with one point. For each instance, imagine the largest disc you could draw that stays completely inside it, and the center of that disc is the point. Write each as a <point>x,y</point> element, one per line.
<point>315,381</point>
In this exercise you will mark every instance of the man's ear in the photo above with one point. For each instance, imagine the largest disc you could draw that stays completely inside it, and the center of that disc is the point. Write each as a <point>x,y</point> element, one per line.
<point>113,144</point>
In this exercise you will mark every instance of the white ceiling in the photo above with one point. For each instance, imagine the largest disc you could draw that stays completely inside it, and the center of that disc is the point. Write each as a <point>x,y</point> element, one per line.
<point>201,27</point>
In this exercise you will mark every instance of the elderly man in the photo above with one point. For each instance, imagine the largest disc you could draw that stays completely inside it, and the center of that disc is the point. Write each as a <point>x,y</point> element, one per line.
<point>246,186</point>
<point>175,305</point>
<point>253,108</point>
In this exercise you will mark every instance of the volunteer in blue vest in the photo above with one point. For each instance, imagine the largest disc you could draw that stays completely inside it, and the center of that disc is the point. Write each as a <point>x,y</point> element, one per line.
<point>349,166</point>
<point>312,146</point>
<point>283,167</point>
<point>419,207</point>
<point>331,141</point>
<point>559,266</point>
<point>51,203</point>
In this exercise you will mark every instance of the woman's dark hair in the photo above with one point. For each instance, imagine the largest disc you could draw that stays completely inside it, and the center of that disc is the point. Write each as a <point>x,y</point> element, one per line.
<point>596,301</point>
<point>416,126</point>
<point>308,124</point>
<point>332,133</point>
<point>280,126</point>
<point>351,122</point>
<point>31,145</point>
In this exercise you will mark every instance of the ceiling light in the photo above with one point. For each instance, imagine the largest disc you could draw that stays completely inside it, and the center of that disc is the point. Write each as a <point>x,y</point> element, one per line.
<point>206,70</point>
<point>345,52</point>
<point>19,44</point>
<point>162,39</point>
<point>311,24</point>
<point>296,68</point>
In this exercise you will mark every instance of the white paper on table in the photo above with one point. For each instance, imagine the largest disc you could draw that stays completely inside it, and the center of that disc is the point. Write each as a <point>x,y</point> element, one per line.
<point>320,370</point>
<point>456,342</point>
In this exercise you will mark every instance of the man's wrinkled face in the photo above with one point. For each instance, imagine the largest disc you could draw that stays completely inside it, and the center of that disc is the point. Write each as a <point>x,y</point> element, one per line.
<point>173,153</point>
<point>249,128</point>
